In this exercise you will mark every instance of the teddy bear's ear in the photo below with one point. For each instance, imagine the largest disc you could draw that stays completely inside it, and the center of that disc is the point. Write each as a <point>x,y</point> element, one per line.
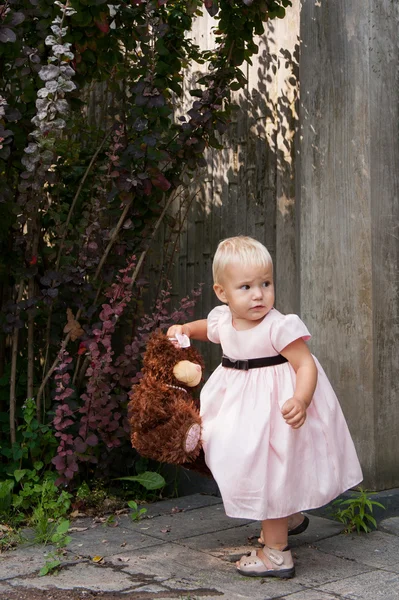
<point>161,356</point>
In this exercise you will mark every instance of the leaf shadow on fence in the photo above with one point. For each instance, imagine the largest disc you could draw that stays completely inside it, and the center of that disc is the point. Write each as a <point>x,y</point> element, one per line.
<point>248,187</point>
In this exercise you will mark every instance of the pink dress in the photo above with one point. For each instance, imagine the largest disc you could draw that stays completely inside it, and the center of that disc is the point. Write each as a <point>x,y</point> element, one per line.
<point>263,467</point>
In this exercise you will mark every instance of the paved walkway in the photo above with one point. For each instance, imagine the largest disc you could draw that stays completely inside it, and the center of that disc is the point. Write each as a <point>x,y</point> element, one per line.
<point>185,550</point>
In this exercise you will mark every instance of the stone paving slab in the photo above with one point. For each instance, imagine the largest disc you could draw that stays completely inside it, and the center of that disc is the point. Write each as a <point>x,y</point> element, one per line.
<point>22,562</point>
<point>184,503</point>
<point>186,524</point>
<point>309,594</point>
<point>376,585</point>
<point>243,537</point>
<point>392,568</point>
<point>82,576</point>
<point>376,549</point>
<point>105,541</point>
<point>318,529</point>
<point>185,550</point>
<point>314,568</point>
<point>171,562</point>
<point>390,525</point>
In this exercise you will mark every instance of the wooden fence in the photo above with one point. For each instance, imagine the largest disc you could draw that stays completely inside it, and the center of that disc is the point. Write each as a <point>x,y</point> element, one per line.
<point>249,186</point>
<point>316,179</point>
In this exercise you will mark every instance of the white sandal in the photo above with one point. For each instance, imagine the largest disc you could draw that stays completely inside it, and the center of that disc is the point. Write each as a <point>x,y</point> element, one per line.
<point>274,563</point>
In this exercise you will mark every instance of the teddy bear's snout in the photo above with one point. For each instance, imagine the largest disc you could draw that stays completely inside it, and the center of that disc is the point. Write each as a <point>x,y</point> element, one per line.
<point>188,373</point>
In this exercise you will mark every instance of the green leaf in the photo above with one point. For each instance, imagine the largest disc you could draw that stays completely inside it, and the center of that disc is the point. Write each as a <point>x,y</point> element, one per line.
<point>371,519</point>
<point>196,93</point>
<point>62,527</point>
<point>150,480</point>
<point>19,474</point>
<point>375,503</point>
<point>49,566</point>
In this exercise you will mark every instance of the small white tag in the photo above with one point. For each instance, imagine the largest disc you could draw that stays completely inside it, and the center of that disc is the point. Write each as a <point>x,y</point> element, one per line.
<point>183,340</point>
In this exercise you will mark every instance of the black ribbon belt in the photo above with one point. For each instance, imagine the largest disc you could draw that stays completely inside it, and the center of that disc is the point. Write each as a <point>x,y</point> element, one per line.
<point>253,363</point>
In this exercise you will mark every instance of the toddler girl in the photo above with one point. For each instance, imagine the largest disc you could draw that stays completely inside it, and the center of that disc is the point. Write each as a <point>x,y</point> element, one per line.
<point>274,435</point>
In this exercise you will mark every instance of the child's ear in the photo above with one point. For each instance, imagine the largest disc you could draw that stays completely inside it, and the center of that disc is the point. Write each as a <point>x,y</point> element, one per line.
<point>219,291</point>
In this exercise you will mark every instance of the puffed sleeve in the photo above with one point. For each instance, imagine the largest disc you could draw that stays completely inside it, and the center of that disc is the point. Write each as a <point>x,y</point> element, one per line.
<point>213,323</point>
<point>286,330</point>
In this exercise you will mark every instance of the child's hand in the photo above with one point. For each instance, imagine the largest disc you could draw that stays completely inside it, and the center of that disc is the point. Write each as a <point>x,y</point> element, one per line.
<point>179,330</point>
<point>294,412</point>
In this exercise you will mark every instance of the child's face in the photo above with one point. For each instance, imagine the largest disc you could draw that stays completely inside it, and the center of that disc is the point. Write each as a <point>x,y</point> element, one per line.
<point>248,290</point>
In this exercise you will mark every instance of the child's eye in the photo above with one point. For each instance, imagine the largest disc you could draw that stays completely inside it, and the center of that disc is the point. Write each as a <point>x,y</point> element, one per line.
<point>266,283</point>
<point>244,287</point>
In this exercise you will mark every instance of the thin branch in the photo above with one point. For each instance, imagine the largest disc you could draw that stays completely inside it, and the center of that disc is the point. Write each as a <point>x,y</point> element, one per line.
<point>13,377</point>
<point>80,371</point>
<point>72,208</point>
<point>157,224</point>
<point>66,340</point>
<point>81,184</point>
<point>34,227</point>
<point>113,238</point>
<point>53,366</point>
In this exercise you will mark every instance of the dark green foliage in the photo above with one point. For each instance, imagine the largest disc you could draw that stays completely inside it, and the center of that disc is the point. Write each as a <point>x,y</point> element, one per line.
<point>80,197</point>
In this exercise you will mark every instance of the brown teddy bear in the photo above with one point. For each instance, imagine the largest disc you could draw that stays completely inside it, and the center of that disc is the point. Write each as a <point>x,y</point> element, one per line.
<point>164,420</point>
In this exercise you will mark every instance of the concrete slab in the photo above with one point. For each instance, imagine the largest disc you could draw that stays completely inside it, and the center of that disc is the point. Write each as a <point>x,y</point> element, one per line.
<point>82,576</point>
<point>191,570</point>
<point>376,585</point>
<point>184,503</point>
<point>222,544</point>
<point>22,562</point>
<point>390,525</point>
<point>186,524</point>
<point>376,549</point>
<point>393,568</point>
<point>240,539</point>
<point>309,594</point>
<point>314,568</point>
<point>4,589</point>
<point>105,541</point>
<point>185,550</point>
<point>319,528</point>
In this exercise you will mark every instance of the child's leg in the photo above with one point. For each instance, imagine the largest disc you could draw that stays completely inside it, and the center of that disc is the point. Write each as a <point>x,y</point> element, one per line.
<point>297,523</point>
<point>275,533</point>
<point>274,560</point>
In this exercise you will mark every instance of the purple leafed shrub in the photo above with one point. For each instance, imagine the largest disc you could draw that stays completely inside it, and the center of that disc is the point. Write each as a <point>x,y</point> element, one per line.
<point>97,421</point>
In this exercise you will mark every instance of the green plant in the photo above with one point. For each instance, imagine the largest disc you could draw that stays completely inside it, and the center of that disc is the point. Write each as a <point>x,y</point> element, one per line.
<point>60,539</point>
<point>110,521</point>
<point>35,446</point>
<point>6,488</point>
<point>149,479</point>
<point>28,492</point>
<point>48,515</point>
<point>52,563</point>
<point>9,538</point>
<point>356,513</point>
<point>136,513</point>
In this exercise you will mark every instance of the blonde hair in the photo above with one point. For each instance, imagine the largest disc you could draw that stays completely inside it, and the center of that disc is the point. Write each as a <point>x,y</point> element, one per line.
<point>240,248</point>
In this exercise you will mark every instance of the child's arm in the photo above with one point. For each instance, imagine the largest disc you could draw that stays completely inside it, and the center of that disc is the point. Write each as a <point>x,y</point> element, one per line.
<point>298,355</point>
<point>196,330</point>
